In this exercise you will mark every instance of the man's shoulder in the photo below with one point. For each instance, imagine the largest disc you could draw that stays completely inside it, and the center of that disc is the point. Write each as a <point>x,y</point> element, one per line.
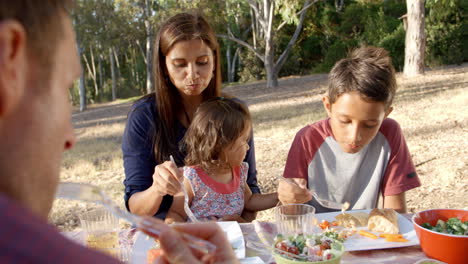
<point>27,238</point>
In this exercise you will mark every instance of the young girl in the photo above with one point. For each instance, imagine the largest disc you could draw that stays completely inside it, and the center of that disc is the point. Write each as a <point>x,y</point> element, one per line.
<point>215,175</point>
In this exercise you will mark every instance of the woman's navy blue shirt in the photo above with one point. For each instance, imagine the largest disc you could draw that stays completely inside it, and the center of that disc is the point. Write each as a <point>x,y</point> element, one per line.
<point>139,159</point>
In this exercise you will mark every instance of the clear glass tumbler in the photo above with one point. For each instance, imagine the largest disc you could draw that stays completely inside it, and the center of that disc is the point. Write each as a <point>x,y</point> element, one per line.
<point>292,219</point>
<point>101,229</point>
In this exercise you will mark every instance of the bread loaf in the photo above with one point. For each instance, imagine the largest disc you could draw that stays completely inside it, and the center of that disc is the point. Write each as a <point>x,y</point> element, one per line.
<point>383,220</point>
<point>352,219</point>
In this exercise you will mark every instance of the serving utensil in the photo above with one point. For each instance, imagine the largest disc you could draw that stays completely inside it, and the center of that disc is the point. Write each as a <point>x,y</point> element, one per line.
<point>90,193</point>
<point>187,210</point>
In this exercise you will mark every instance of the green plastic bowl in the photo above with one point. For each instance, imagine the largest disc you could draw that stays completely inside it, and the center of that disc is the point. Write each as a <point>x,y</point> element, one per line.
<point>336,260</point>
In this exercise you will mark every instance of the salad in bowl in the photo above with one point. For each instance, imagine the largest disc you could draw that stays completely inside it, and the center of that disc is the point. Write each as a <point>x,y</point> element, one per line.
<point>307,248</point>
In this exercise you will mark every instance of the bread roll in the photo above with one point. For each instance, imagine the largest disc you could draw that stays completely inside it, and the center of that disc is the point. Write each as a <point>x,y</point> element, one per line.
<point>383,220</point>
<point>352,219</point>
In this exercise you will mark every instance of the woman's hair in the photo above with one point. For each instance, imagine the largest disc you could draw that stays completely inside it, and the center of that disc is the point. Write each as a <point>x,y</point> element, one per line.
<point>181,27</point>
<point>367,70</point>
<point>217,123</point>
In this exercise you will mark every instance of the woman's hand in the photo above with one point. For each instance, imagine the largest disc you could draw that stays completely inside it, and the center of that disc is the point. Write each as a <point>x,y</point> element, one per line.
<point>293,190</point>
<point>166,178</point>
<point>176,250</point>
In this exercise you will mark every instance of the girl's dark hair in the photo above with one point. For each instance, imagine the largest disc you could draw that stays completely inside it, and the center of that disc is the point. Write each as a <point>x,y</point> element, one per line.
<point>180,27</point>
<point>369,71</point>
<point>217,123</point>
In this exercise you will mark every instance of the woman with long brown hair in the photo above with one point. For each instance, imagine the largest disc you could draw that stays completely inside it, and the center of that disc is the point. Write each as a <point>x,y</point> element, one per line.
<point>187,73</point>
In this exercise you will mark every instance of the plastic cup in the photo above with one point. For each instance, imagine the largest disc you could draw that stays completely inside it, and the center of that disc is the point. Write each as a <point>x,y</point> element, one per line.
<point>101,229</point>
<point>292,219</point>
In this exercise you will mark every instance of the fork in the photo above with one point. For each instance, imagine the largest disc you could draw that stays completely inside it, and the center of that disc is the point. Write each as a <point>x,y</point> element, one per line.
<point>322,202</point>
<point>90,193</point>
<point>187,209</point>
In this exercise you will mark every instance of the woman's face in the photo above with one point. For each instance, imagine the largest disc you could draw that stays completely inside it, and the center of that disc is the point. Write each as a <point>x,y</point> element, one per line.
<point>190,66</point>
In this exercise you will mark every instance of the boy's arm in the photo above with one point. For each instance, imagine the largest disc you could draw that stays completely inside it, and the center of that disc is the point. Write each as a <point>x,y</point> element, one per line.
<point>396,202</point>
<point>177,213</point>
<point>257,201</point>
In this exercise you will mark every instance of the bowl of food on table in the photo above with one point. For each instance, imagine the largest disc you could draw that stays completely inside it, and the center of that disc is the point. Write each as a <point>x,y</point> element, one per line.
<point>443,234</point>
<point>308,249</point>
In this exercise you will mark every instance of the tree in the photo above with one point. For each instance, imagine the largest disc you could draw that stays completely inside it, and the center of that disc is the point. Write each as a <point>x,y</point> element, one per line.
<point>264,14</point>
<point>415,41</point>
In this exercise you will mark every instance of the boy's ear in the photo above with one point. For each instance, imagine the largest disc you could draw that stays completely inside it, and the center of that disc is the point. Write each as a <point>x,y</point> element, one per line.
<point>388,111</point>
<point>12,65</point>
<point>326,104</point>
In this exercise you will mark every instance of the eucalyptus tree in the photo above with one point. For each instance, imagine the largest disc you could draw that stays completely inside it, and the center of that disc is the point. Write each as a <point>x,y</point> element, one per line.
<point>268,18</point>
<point>415,40</point>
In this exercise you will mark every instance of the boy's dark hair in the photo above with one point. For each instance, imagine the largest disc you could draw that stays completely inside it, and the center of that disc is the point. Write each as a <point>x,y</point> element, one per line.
<point>217,123</point>
<point>42,23</point>
<point>367,70</point>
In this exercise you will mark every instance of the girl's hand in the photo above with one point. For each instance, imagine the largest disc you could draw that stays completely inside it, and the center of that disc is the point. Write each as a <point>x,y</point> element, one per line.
<point>293,192</point>
<point>166,179</point>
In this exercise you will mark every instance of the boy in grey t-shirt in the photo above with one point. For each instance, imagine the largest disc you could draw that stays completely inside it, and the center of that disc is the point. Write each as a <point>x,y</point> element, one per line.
<point>358,154</point>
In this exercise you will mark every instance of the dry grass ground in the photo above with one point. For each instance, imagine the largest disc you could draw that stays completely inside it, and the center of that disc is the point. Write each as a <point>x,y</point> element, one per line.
<point>432,111</point>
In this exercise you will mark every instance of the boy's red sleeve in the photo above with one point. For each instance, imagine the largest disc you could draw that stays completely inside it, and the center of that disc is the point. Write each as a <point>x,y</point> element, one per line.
<point>300,155</point>
<point>400,174</point>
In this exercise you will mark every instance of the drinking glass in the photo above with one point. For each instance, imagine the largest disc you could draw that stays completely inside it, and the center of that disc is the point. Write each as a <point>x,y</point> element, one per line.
<point>292,219</point>
<point>101,229</point>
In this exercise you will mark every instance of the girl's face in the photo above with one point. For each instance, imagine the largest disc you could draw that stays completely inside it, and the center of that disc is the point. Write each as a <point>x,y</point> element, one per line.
<point>190,66</point>
<point>235,153</point>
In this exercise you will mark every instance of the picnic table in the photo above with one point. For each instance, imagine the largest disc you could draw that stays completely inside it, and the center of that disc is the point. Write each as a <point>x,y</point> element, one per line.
<point>403,255</point>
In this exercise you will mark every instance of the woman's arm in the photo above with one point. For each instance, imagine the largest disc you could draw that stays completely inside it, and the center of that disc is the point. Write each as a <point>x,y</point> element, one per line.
<point>146,182</point>
<point>396,202</point>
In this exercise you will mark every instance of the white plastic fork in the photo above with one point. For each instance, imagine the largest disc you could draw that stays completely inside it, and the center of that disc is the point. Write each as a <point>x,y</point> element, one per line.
<point>187,210</point>
<point>322,202</point>
<point>90,193</point>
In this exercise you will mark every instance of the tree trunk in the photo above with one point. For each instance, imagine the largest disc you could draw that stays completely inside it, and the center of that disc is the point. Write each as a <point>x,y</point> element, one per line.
<point>112,64</point>
<point>81,90</point>
<point>149,48</point>
<point>232,73</point>
<point>101,77</point>
<point>228,61</point>
<point>93,64</point>
<point>415,41</point>
<point>272,77</point>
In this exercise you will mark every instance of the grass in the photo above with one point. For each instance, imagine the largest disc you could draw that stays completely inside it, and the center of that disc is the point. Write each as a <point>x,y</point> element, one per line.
<point>432,111</point>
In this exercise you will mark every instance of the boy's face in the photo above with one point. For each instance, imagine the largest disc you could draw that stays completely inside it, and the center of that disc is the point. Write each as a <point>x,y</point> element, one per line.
<point>355,121</point>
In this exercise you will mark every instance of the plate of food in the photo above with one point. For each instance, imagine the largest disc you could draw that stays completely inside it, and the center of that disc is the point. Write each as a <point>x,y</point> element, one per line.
<point>145,248</point>
<point>369,229</point>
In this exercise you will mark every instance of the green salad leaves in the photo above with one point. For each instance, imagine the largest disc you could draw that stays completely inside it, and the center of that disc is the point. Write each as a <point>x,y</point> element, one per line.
<point>453,226</point>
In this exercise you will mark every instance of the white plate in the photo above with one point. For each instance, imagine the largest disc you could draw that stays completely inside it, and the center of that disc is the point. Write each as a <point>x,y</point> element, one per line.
<point>357,242</point>
<point>143,243</point>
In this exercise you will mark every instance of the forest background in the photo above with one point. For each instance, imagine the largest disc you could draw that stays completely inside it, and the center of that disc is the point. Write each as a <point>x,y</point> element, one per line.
<point>116,37</point>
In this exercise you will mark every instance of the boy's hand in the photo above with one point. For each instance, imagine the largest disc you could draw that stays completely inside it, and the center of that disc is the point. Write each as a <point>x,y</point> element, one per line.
<point>293,190</point>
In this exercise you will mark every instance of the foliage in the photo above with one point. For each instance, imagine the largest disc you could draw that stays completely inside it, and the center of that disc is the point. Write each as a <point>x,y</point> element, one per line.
<point>447,32</point>
<point>327,36</point>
